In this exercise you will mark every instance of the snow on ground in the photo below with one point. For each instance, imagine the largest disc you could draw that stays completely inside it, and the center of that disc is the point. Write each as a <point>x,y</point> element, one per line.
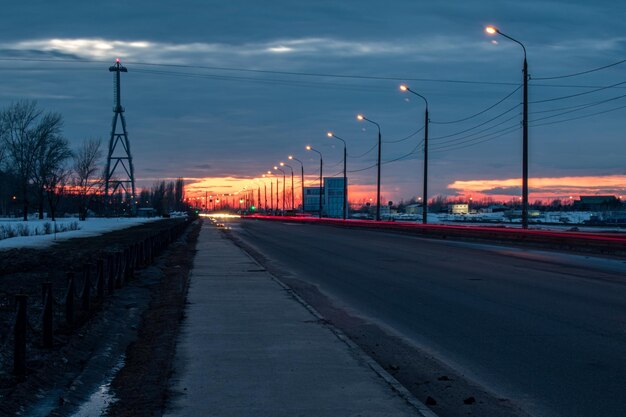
<point>89,227</point>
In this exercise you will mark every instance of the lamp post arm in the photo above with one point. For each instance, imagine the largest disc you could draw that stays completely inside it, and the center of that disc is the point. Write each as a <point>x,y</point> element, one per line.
<point>514,40</point>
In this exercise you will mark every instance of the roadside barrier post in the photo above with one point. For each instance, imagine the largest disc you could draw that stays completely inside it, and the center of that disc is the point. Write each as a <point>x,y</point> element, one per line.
<point>119,266</point>
<point>19,351</point>
<point>69,300</point>
<point>48,314</point>
<point>111,273</point>
<point>86,295</point>
<point>100,282</point>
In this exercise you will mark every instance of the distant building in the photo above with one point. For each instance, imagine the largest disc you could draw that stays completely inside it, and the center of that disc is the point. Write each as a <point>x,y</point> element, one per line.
<point>413,209</point>
<point>146,212</point>
<point>385,211</point>
<point>494,208</point>
<point>333,197</point>
<point>312,199</point>
<point>461,208</point>
<point>597,203</point>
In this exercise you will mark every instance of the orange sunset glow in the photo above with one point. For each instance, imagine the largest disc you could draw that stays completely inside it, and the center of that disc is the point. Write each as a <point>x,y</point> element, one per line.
<point>198,187</point>
<point>541,188</point>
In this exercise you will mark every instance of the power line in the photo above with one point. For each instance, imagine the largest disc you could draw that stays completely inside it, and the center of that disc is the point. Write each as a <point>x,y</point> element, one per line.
<point>363,154</point>
<point>454,148</point>
<point>480,112</point>
<point>459,142</point>
<point>478,125</point>
<point>582,72</point>
<point>406,137</point>
<point>577,94</point>
<point>576,106</point>
<point>579,108</point>
<point>580,117</point>
<point>292,73</point>
<point>260,71</point>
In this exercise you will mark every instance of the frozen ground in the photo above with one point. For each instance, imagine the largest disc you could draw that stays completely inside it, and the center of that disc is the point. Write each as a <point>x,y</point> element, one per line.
<point>89,227</point>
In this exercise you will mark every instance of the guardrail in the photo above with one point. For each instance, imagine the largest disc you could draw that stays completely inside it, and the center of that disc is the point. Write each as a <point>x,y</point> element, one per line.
<point>597,242</point>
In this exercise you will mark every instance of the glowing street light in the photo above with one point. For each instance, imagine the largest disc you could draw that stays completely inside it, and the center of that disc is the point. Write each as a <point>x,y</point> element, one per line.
<point>360,117</point>
<point>282,164</point>
<point>345,178</point>
<point>406,88</point>
<point>272,193</point>
<point>292,158</point>
<point>491,30</point>
<point>309,148</point>
<point>278,169</point>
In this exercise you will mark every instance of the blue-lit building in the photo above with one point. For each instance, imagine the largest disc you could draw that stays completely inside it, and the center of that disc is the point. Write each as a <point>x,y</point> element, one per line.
<point>332,198</point>
<point>312,199</point>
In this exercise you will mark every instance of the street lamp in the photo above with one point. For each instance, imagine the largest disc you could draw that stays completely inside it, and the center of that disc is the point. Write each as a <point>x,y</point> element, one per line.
<point>278,169</point>
<point>272,193</point>
<point>308,148</point>
<point>345,179</point>
<point>282,164</point>
<point>301,178</point>
<point>491,30</point>
<point>265,189</point>
<point>404,87</point>
<point>360,118</point>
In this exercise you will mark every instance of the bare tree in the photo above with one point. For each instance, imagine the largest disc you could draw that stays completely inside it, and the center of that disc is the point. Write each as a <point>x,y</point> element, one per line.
<point>158,197</point>
<point>180,194</point>
<point>24,130</point>
<point>49,168</point>
<point>56,188</point>
<point>86,179</point>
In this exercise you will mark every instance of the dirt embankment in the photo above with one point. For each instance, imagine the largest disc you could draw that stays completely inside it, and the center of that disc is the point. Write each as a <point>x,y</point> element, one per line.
<point>113,322</point>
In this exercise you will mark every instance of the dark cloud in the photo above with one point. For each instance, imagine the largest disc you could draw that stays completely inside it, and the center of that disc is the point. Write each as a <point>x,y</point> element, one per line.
<point>512,191</point>
<point>214,122</point>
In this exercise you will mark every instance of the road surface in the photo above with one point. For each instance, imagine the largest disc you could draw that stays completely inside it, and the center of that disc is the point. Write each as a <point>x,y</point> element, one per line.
<point>547,330</point>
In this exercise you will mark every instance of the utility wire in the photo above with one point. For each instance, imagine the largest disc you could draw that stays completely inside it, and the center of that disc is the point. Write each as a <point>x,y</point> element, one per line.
<point>480,112</point>
<point>579,108</point>
<point>260,71</point>
<point>558,77</point>
<point>579,117</point>
<point>478,125</point>
<point>577,94</point>
<point>438,146</point>
<point>454,148</point>
<point>576,106</point>
<point>406,137</point>
<point>348,76</point>
<point>363,154</point>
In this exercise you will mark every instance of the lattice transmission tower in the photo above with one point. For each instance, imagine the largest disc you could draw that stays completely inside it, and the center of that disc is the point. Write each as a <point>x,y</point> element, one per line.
<point>119,166</point>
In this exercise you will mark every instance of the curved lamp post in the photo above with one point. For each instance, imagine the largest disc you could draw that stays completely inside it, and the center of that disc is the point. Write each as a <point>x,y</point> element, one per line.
<point>360,117</point>
<point>308,148</point>
<point>265,188</point>
<point>291,158</point>
<point>404,87</point>
<point>345,179</point>
<point>272,207</point>
<point>492,31</point>
<point>282,164</point>
<point>278,169</point>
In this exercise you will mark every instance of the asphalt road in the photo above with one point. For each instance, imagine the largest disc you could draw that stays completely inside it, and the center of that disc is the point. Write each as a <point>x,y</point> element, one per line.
<point>547,330</point>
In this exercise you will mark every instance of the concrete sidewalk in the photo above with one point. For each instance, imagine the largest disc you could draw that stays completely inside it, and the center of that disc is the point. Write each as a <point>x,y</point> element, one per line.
<point>249,348</point>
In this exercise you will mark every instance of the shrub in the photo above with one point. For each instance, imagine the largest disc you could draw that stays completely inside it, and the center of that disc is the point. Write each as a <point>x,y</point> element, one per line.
<point>23,230</point>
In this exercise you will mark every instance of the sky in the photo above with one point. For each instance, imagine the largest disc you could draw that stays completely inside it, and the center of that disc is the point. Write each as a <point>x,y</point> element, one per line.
<point>218,92</point>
